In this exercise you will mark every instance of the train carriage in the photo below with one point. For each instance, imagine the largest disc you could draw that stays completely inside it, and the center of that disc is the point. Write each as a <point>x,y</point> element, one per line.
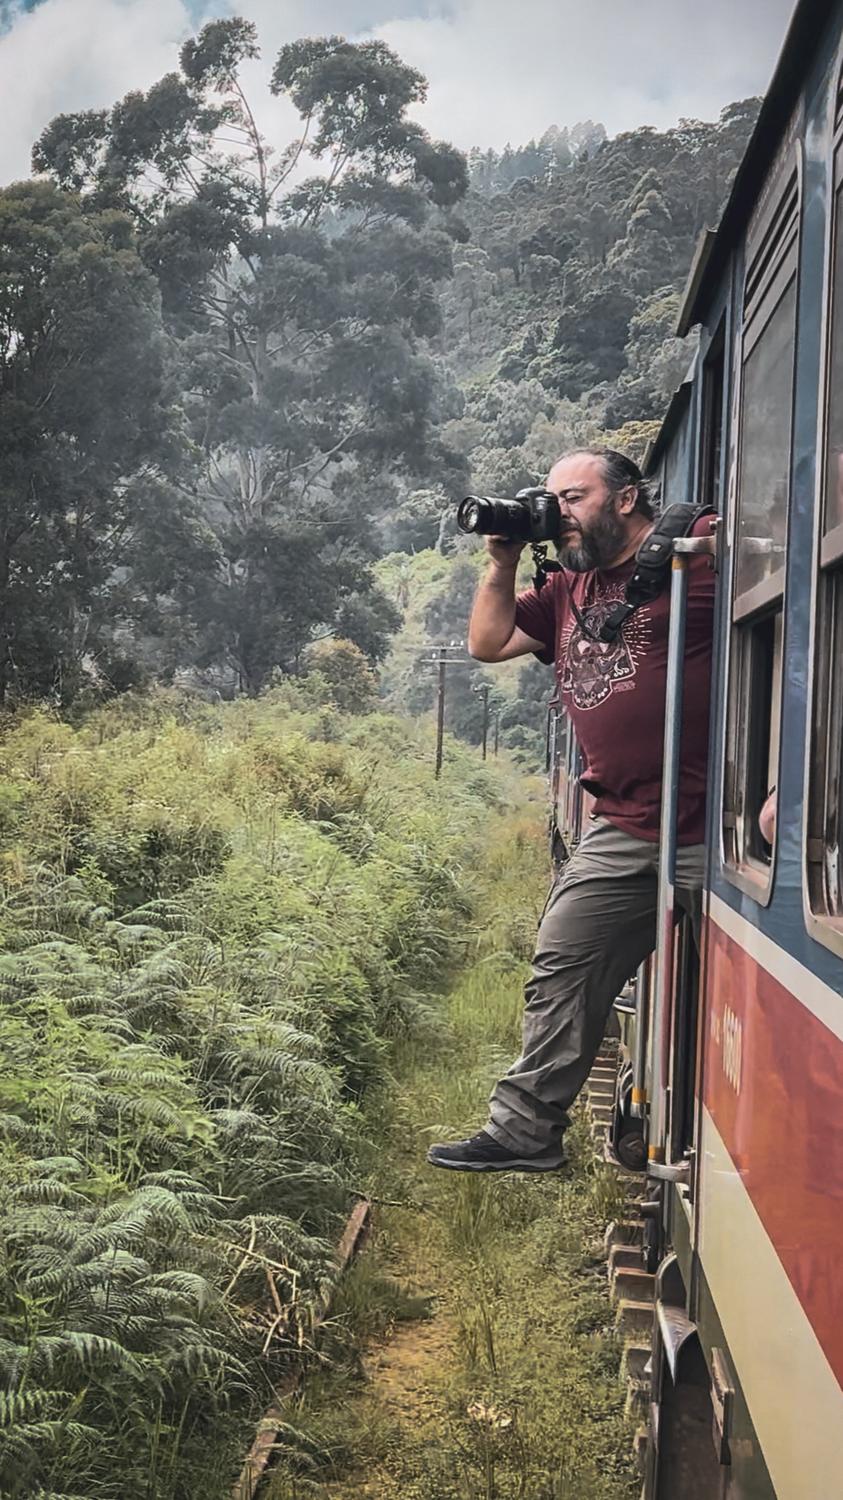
<point>735,1059</point>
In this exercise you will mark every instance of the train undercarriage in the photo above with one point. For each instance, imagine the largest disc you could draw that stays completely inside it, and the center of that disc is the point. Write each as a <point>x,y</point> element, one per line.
<point>677,1370</point>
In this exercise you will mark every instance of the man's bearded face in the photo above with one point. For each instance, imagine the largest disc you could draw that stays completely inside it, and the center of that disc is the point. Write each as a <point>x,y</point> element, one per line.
<point>595,532</point>
<point>596,541</point>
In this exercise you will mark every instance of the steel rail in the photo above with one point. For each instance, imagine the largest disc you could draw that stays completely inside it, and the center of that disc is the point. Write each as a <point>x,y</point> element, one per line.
<point>263,1447</point>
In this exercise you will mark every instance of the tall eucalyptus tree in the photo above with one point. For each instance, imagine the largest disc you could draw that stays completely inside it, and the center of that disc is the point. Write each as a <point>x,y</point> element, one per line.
<point>299,283</point>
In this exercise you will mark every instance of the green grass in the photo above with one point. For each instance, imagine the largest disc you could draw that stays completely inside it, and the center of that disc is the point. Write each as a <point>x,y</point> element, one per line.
<point>525,1401</point>
<point>213,923</point>
<point>226,938</point>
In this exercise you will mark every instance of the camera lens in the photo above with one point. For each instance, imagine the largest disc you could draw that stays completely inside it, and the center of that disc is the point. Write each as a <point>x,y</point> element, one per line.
<point>470,514</point>
<point>485,515</point>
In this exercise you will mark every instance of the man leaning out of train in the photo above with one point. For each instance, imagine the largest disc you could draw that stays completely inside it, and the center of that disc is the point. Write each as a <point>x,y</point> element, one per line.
<point>599,921</point>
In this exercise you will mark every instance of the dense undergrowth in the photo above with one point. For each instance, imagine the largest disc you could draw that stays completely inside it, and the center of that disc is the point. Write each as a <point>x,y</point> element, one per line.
<point>215,920</point>
<point>492,1368</point>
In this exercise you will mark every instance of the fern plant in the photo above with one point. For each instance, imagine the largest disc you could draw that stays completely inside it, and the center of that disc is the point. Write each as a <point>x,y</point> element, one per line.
<point>212,923</point>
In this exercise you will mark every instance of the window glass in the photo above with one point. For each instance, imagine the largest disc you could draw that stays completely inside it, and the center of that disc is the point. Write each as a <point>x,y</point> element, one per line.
<point>832,754</point>
<point>676,466</point>
<point>713,422</point>
<point>757,706</point>
<point>776,700</point>
<point>765,450</point>
<point>834,440</point>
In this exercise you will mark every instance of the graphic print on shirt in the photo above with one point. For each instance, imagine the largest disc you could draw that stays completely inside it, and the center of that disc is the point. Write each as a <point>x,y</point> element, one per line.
<point>592,670</point>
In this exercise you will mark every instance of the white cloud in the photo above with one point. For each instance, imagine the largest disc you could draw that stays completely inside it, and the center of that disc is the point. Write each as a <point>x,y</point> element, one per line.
<point>69,55</point>
<point>503,71</point>
<point>498,69</point>
<point>79,54</point>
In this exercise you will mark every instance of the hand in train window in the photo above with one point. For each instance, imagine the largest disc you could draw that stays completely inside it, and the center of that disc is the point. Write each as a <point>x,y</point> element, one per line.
<point>825,797</point>
<point>767,819</point>
<point>754,733</point>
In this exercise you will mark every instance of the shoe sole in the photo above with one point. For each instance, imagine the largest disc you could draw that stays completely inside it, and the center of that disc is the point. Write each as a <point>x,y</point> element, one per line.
<point>494,1166</point>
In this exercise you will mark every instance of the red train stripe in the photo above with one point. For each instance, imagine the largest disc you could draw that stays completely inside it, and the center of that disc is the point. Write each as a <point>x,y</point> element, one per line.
<point>774,1087</point>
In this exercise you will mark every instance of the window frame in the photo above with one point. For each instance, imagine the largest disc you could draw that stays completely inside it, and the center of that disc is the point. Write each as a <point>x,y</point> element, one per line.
<point>831,540</point>
<point>771,269</point>
<point>769,590</point>
<point>714,421</point>
<point>823,926</point>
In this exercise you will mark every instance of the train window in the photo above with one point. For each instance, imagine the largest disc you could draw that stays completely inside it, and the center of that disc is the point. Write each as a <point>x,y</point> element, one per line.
<point>714,371</point>
<point>825,787</point>
<point>760,535</point>
<point>826,800</point>
<point>833,509</point>
<point>765,459</point>
<point>754,739</point>
<point>675,476</point>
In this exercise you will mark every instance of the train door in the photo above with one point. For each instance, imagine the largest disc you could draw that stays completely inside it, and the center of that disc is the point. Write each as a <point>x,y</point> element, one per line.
<point>685,1010</point>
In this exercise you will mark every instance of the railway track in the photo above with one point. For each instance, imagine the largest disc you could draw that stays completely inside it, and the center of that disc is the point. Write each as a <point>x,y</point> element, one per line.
<point>259,1458</point>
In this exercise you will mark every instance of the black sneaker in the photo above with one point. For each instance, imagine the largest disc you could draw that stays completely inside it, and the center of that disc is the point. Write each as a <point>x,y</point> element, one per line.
<point>482,1153</point>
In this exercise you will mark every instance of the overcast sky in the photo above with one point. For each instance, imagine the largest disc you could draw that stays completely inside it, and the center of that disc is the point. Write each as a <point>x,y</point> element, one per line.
<point>498,70</point>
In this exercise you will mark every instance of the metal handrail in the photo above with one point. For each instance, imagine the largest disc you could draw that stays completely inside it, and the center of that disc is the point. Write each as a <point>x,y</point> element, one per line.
<point>638,1102</point>
<point>683,549</point>
<point>660,1028</point>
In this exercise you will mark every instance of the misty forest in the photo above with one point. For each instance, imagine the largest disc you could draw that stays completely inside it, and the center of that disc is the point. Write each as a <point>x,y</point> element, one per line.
<point>243,383</point>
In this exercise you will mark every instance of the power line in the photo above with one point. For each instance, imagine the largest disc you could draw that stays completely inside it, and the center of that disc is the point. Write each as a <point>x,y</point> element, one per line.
<point>483,689</point>
<point>446,656</point>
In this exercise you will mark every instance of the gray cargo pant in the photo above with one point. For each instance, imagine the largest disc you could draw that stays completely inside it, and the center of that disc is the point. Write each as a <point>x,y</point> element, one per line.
<point>598,924</point>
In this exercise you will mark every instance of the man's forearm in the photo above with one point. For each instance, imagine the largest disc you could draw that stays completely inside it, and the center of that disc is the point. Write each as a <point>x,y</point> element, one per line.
<point>493,615</point>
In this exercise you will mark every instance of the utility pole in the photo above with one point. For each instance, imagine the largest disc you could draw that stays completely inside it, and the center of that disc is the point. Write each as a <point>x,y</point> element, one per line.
<point>483,690</point>
<point>445,656</point>
<point>440,712</point>
<point>497,729</point>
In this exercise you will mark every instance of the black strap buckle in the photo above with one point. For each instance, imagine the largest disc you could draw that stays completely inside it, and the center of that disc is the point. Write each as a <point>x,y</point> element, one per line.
<point>615,621</point>
<point>542,566</point>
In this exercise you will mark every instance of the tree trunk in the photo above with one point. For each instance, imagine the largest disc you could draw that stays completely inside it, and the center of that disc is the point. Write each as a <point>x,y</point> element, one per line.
<point>440,539</point>
<point>4,620</point>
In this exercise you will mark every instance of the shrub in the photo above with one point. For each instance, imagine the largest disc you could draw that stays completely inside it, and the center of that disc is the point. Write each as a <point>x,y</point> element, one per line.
<point>214,919</point>
<point>349,680</point>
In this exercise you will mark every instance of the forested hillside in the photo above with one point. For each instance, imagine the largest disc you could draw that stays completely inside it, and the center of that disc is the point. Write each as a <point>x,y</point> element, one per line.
<point>235,372</point>
<point>559,319</point>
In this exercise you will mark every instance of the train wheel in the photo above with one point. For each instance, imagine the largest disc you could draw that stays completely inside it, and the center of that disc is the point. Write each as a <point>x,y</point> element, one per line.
<point>631,1149</point>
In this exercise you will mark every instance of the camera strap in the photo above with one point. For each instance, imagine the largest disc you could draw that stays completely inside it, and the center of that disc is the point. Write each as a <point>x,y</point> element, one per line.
<point>652,565</point>
<point>542,566</point>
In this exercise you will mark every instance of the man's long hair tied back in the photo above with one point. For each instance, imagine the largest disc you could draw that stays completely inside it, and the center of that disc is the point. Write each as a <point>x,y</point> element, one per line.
<point>621,471</point>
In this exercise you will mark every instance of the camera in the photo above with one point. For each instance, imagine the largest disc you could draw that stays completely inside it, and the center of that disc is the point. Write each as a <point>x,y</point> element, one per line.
<point>533,516</point>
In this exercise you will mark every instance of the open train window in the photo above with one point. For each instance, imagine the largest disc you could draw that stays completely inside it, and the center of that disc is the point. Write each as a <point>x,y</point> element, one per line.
<point>760,534</point>
<point>754,735</point>
<point>714,374</point>
<point>825,783</point>
<point>674,480</point>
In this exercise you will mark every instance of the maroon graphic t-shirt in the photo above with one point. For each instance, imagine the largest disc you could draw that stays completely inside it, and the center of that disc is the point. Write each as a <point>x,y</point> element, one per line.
<point>614,694</point>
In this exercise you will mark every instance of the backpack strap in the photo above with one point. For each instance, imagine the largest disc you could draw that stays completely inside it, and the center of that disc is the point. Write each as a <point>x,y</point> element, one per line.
<point>652,564</point>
